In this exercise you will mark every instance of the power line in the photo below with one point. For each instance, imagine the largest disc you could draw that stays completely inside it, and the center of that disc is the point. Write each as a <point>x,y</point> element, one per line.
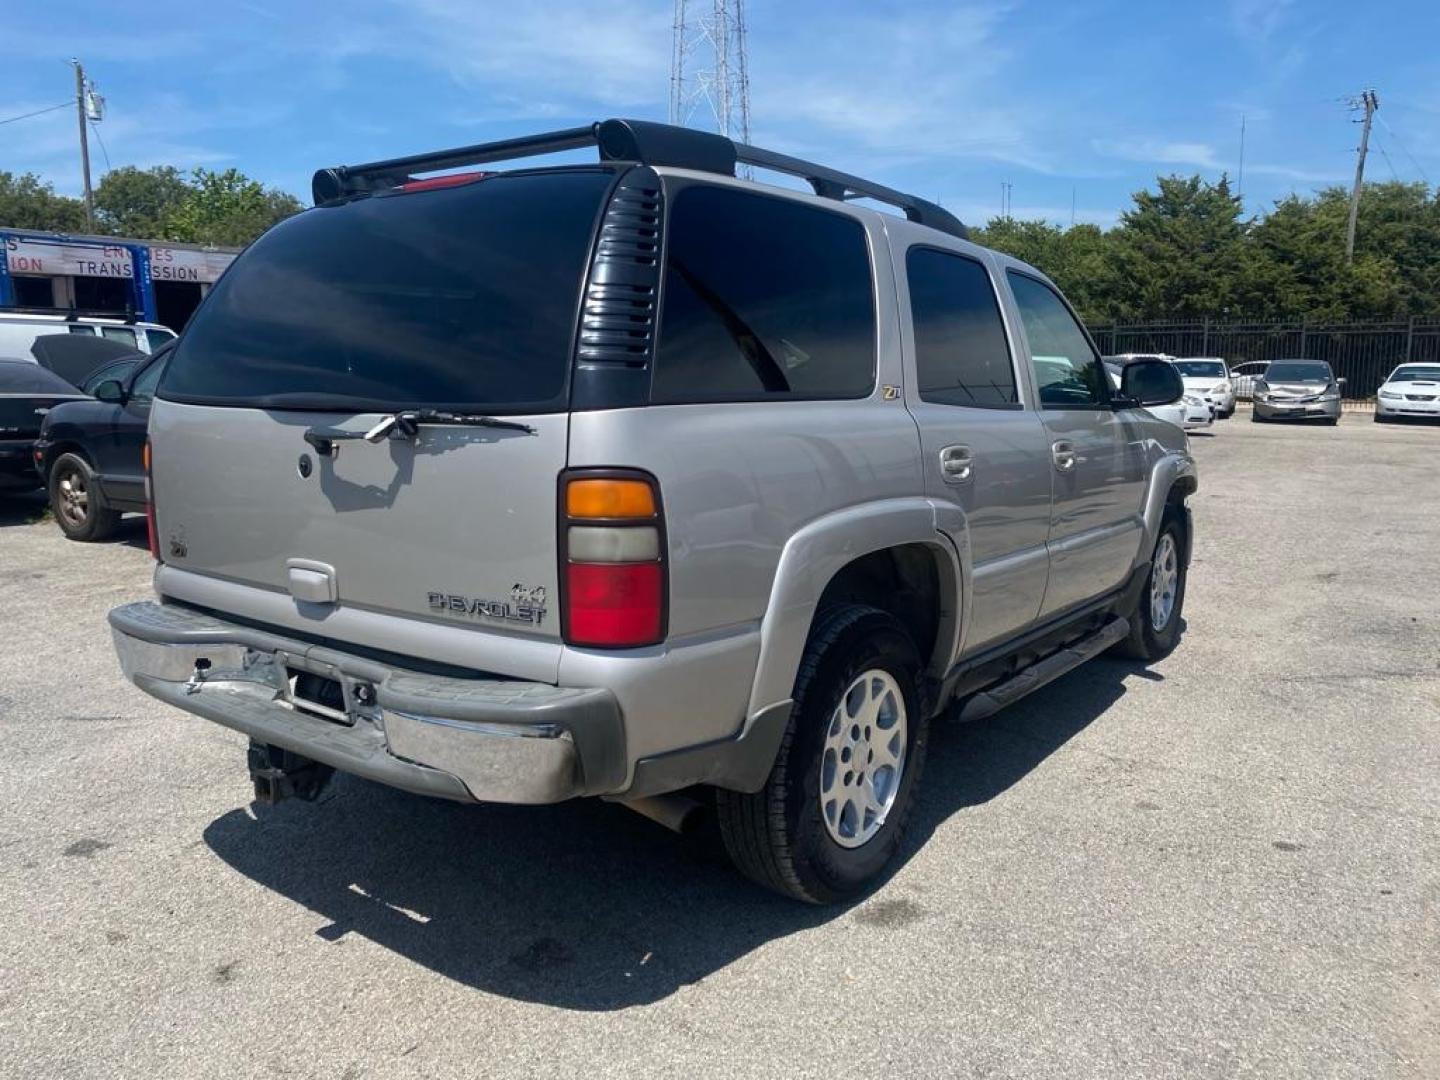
<point>96,132</point>
<point>1394,175</point>
<point>1404,149</point>
<point>37,112</point>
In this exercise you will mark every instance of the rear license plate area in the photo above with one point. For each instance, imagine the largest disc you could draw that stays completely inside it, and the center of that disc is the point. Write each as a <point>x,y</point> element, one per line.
<point>317,695</point>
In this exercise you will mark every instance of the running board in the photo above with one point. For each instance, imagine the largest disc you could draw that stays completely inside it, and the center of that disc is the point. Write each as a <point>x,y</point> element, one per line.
<point>989,702</point>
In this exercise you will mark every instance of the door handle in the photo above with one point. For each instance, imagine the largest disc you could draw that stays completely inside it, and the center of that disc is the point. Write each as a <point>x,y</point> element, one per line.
<point>1063,454</point>
<point>957,464</point>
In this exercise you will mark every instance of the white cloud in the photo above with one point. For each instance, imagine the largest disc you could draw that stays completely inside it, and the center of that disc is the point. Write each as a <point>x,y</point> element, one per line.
<point>1256,21</point>
<point>1196,155</point>
<point>566,53</point>
<point>898,89</point>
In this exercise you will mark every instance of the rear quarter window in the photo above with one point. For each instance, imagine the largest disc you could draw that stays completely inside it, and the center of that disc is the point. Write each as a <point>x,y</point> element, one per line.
<point>764,299</point>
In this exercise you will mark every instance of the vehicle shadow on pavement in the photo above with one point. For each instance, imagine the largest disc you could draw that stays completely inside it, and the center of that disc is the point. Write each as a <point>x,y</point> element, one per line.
<point>22,508</point>
<point>586,905</point>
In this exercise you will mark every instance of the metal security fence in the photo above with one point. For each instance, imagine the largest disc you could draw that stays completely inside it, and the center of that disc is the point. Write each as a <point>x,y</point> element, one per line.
<point>1360,353</point>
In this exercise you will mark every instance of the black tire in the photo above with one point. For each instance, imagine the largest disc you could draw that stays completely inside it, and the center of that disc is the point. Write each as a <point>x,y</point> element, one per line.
<point>1332,421</point>
<point>1145,642</point>
<point>1255,417</point>
<point>1381,419</point>
<point>777,836</point>
<point>1227,414</point>
<point>75,500</point>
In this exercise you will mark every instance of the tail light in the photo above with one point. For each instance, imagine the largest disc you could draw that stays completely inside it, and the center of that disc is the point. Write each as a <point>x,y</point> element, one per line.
<point>612,559</point>
<point>151,531</point>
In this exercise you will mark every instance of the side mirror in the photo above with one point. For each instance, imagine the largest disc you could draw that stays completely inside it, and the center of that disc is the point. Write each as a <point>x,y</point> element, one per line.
<point>1151,382</point>
<point>111,390</point>
<point>1339,382</point>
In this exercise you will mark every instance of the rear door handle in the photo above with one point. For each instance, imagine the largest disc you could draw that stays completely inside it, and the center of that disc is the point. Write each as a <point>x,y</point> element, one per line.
<point>1063,454</point>
<point>957,464</point>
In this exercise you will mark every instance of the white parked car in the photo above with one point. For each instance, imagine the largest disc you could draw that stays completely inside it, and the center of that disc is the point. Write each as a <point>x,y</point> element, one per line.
<point>1412,390</point>
<point>1190,412</point>
<point>1208,377</point>
<point>1243,378</point>
<point>18,331</point>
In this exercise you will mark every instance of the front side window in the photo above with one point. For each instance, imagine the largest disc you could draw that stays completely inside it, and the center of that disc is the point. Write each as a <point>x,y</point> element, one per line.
<point>142,390</point>
<point>118,370</point>
<point>1068,373</point>
<point>765,298</point>
<point>961,354</point>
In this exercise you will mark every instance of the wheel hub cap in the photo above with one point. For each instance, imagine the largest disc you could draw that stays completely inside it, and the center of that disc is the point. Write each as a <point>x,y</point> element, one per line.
<point>1164,582</point>
<point>74,499</point>
<point>863,759</point>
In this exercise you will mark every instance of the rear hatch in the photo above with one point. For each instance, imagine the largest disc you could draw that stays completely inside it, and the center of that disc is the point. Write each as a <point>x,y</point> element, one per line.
<point>461,299</point>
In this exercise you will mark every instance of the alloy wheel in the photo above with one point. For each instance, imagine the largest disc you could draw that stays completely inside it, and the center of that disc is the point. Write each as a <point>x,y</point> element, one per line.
<point>863,759</point>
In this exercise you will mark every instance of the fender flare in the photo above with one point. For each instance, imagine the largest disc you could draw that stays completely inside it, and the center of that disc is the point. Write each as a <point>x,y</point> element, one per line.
<point>1173,468</point>
<point>815,553</point>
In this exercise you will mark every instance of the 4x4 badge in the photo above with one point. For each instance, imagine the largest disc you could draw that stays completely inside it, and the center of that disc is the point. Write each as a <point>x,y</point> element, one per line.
<point>889,393</point>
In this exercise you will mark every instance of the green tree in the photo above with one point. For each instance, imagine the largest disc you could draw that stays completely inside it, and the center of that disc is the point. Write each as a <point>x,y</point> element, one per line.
<point>229,208</point>
<point>1174,254</point>
<point>27,202</point>
<point>141,202</point>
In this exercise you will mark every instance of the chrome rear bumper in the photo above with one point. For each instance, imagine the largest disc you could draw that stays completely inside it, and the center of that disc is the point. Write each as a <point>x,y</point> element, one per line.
<point>491,740</point>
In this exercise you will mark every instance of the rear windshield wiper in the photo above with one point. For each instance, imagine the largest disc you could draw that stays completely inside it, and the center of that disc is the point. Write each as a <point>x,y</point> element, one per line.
<point>406,423</point>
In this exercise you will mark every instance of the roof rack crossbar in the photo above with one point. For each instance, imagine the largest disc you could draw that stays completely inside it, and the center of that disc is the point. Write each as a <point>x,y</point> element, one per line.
<point>641,141</point>
<point>838,185</point>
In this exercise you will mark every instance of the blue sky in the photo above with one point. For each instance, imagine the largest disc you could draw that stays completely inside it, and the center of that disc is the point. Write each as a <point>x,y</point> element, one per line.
<point>949,100</point>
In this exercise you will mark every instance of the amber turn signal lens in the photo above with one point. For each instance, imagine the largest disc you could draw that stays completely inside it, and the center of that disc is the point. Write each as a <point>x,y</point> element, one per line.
<point>601,498</point>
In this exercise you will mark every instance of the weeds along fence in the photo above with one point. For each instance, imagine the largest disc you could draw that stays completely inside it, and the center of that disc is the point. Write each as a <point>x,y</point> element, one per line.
<point>1363,354</point>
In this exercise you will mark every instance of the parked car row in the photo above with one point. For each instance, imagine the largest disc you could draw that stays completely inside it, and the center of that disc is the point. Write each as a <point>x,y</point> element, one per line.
<point>72,420</point>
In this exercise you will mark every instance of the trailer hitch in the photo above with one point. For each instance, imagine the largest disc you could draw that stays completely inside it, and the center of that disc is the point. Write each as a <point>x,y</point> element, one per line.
<point>278,774</point>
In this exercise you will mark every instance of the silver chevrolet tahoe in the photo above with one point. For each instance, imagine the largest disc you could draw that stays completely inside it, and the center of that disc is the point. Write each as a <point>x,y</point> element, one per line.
<point>641,480</point>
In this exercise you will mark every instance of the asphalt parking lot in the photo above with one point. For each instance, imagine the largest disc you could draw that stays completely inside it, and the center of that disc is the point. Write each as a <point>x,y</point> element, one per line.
<point>1227,864</point>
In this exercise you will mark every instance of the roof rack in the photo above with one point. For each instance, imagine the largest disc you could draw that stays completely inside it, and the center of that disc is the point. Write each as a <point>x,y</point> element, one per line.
<point>70,314</point>
<point>642,141</point>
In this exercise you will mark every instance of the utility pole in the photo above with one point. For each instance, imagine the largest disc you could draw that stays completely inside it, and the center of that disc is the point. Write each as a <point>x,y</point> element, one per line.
<point>1369,101</point>
<point>84,143</point>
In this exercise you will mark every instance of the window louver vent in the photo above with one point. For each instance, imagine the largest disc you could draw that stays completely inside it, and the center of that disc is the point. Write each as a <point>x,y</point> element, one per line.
<point>617,325</point>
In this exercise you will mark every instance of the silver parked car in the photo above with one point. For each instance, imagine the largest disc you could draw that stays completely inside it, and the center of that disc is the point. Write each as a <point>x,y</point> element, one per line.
<point>639,480</point>
<point>1298,390</point>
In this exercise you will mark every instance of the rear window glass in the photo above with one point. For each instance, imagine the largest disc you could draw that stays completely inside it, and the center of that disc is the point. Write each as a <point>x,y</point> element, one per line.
<point>765,298</point>
<point>462,297</point>
<point>21,377</point>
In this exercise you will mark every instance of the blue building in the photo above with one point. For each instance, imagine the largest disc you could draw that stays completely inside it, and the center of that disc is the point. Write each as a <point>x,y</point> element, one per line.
<point>150,280</point>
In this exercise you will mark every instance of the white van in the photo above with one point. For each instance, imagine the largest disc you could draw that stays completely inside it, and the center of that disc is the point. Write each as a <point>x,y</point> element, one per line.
<point>18,331</point>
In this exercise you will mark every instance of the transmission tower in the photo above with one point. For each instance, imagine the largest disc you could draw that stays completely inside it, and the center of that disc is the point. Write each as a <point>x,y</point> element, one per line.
<point>709,66</point>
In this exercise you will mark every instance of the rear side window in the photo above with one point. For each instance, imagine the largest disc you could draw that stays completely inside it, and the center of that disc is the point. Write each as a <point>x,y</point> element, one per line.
<point>961,354</point>
<point>156,338</point>
<point>121,334</point>
<point>463,297</point>
<point>764,299</point>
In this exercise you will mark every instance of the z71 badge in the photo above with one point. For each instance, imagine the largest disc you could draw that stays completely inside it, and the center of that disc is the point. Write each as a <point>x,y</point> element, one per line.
<point>524,606</point>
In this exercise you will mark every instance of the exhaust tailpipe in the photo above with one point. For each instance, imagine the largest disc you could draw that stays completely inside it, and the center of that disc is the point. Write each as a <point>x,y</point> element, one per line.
<point>676,812</point>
